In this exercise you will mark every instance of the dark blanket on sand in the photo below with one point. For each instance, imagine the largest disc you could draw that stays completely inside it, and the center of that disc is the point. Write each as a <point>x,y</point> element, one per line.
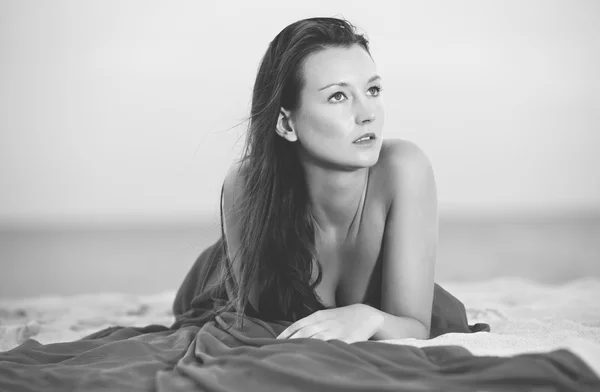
<point>200,353</point>
<point>210,358</point>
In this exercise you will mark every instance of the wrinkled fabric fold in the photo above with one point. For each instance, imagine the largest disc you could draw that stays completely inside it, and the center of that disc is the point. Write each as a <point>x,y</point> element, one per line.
<point>214,357</point>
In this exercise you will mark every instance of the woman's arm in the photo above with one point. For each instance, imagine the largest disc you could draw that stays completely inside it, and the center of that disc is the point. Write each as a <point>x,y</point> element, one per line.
<point>410,244</point>
<point>232,193</point>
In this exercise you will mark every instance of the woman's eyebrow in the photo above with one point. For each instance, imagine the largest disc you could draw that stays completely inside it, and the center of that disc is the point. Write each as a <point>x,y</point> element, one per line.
<point>344,84</point>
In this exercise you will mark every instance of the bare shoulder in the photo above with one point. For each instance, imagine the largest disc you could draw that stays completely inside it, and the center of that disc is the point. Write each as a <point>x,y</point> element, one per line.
<point>233,184</point>
<point>402,164</point>
<point>233,189</point>
<point>402,155</point>
<point>234,174</point>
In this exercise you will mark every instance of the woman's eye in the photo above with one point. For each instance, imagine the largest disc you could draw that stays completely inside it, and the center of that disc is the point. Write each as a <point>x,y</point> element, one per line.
<point>375,90</point>
<point>339,95</point>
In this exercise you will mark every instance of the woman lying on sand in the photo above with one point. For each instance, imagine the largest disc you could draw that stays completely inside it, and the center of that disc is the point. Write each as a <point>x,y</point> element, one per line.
<point>326,224</point>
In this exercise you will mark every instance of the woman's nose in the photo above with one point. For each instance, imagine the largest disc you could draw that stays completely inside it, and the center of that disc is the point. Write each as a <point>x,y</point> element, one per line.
<point>364,114</point>
<point>365,117</point>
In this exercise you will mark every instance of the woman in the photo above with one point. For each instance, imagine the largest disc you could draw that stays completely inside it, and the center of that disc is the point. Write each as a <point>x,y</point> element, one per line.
<point>325,224</point>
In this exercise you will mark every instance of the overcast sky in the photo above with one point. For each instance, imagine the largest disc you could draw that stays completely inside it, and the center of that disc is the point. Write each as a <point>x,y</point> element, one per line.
<point>121,110</point>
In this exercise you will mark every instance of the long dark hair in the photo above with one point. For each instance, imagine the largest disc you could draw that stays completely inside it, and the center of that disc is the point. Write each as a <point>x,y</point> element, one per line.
<point>277,231</point>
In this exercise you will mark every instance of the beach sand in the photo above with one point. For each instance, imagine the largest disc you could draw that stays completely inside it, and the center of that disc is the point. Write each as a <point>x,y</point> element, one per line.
<point>525,316</point>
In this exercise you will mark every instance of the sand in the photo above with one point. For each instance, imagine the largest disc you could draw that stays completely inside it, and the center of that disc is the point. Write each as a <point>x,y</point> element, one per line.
<point>525,317</point>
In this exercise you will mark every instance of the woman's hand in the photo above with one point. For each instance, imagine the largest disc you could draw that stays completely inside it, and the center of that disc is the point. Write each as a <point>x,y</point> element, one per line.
<point>350,324</point>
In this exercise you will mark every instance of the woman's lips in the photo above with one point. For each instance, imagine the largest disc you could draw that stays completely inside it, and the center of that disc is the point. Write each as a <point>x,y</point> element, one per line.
<point>366,142</point>
<point>370,136</point>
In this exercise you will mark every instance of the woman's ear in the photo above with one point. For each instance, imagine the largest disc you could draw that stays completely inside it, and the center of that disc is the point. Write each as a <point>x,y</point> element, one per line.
<point>284,127</point>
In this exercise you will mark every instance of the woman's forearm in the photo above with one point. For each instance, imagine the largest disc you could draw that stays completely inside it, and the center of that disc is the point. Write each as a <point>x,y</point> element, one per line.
<point>398,327</point>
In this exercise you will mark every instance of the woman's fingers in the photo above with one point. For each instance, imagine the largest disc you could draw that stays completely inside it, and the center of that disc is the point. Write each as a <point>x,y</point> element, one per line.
<point>322,335</point>
<point>292,329</point>
<point>300,324</point>
<point>307,331</point>
<point>289,331</point>
<point>321,331</point>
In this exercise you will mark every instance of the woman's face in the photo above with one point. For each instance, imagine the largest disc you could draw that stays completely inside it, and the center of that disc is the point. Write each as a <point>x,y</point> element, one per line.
<point>339,103</point>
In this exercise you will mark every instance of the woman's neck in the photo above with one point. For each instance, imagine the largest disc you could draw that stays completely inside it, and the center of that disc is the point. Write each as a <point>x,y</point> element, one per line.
<point>335,198</point>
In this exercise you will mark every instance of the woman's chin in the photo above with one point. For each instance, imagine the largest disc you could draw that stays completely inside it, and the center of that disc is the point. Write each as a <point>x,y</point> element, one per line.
<point>369,157</point>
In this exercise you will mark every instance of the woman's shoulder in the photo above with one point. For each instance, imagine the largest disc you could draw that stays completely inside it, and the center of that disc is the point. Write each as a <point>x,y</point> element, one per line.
<point>233,187</point>
<point>400,162</point>
<point>402,154</point>
<point>234,178</point>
